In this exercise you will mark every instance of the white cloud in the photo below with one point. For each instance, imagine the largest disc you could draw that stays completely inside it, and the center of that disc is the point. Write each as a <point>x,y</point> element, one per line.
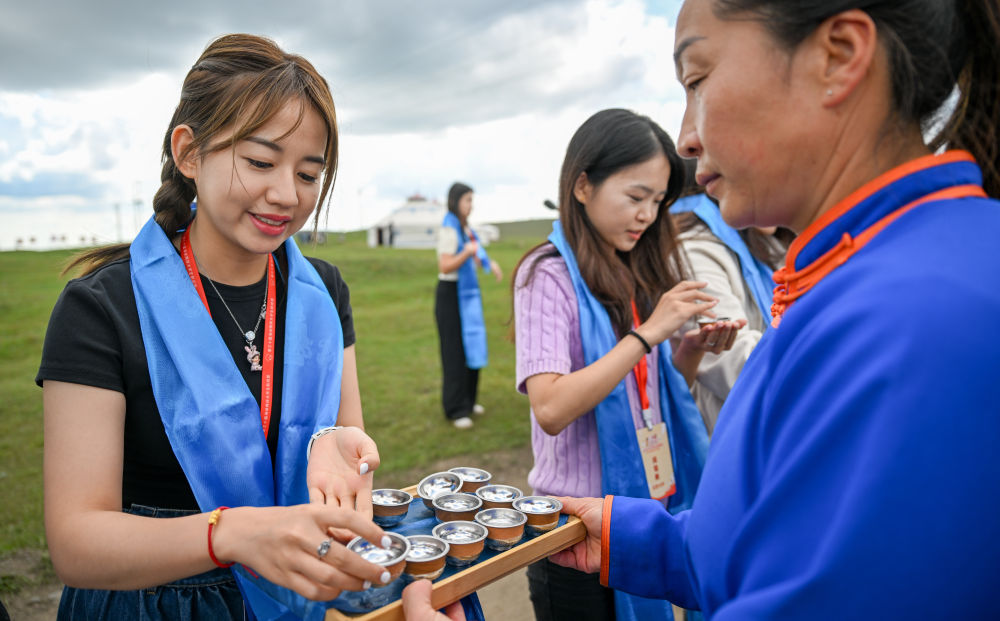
<point>495,112</point>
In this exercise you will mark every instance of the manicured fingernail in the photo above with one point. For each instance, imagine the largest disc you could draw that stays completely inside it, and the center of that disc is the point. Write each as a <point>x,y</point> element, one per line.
<point>363,468</point>
<point>385,577</point>
<point>367,585</point>
<point>386,542</point>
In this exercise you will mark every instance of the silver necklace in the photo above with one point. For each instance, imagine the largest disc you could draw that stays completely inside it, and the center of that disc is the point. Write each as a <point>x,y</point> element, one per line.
<point>253,355</point>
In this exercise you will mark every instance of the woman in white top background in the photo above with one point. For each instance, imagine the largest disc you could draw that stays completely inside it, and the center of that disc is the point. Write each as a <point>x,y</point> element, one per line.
<point>458,308</point>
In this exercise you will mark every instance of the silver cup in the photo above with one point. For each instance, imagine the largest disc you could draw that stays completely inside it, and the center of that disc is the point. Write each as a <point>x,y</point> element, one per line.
<point>456,507</point>
<point>427,556</point>
<point>498,496</point>
<point>465,540</point>
<point>505,527</point>
<point>436,484</point>
<point>542,512</point>
<point>389,506</point>
<point>472,478</point>
<point>392,558</point>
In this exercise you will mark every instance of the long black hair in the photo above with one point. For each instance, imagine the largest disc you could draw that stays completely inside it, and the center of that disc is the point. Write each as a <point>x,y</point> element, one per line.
<point>455,194</point>
<point>605,144</point>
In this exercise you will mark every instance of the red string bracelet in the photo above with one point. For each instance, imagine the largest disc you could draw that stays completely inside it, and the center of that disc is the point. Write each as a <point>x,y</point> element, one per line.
<point>213,519</point>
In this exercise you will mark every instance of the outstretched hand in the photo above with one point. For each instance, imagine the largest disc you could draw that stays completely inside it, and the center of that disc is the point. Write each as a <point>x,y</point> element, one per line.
<point>340,470</point>
<point>715,337</point>
<point>584,556</point>
<point>417,605</point>
<point>674,308</point>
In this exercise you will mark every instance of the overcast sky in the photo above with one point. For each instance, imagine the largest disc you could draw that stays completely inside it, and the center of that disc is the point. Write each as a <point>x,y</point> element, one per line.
<point>427,92</point>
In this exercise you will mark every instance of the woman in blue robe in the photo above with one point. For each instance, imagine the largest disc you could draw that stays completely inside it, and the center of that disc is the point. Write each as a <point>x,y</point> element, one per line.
<point>853,471</point>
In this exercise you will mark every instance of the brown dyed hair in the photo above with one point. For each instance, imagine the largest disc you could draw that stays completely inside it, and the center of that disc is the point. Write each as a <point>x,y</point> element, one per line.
<point>240,82</point>
<point>605,144</point>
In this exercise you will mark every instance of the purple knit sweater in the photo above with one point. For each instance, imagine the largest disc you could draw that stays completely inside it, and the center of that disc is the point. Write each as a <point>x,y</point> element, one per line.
<point>548,341</point>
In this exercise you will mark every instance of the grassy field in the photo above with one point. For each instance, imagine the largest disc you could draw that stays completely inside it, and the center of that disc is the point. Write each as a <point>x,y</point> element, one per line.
<point>392,294</point>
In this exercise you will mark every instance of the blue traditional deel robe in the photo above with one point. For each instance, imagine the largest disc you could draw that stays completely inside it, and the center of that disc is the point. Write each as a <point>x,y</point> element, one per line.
<point>622,470</point>
<point>756,274</point>
<point>210,416</point>
<point>854,471</point>
<point>470,299</point>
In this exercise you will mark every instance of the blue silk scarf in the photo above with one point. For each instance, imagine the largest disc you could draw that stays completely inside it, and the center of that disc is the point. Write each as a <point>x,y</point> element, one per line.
<point>470,300</point>
<point>210,416</point>
<point>622,470</point>
<point>756,273</point>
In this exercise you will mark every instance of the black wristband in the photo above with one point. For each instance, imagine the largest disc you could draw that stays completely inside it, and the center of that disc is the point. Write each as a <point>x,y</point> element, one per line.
<point>649,349</point>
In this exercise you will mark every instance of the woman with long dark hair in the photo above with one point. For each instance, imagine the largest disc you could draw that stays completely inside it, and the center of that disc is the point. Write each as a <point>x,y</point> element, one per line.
<point>853,471</point>
<point>610,407</point>
<point>458,308</point>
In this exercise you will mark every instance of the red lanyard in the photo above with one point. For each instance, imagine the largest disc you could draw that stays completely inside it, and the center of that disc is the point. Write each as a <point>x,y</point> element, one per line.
<point>267,377</point>
<point>641,374</point>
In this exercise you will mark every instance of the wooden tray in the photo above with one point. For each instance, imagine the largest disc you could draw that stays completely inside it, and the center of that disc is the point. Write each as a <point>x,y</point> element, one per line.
<point>452,588</point>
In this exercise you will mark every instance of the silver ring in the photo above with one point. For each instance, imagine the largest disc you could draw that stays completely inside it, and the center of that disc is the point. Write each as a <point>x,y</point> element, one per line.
<point>711,344</point>
<point>323,548</point>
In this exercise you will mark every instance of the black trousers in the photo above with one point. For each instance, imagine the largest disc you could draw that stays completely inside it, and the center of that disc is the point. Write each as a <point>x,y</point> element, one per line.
<point>459,383</point>
<point>564,594</point>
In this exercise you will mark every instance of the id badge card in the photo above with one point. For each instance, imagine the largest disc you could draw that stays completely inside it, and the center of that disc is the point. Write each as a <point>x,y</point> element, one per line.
<point>655,448</point>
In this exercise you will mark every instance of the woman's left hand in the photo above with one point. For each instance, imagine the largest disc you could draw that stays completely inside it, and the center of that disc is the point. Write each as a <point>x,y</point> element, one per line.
<point>715,337</point>
<point>495,268</point>
<point>340,470</point>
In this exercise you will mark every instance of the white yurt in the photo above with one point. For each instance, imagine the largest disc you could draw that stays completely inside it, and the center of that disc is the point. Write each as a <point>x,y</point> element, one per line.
<point>415,225</point>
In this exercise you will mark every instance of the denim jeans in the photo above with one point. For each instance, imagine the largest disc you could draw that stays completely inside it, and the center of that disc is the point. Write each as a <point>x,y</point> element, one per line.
<point>208,596</point>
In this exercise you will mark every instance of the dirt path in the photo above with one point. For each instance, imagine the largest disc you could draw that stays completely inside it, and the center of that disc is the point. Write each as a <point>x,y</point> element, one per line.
<point>39,590</point>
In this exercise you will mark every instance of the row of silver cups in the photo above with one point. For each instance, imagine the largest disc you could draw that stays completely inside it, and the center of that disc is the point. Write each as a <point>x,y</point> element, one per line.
<point>473,514</point>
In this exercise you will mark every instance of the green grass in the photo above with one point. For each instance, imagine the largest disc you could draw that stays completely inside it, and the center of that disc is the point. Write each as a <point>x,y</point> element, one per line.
<point>392,295</point>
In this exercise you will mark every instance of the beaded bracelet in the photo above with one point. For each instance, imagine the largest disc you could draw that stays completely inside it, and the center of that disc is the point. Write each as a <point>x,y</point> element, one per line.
<point>213,519</point>
<point>649,349</point>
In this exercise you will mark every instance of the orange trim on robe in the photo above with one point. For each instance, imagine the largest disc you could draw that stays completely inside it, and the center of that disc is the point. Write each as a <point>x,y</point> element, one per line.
<point>606,539</point>
<point>791,285</point>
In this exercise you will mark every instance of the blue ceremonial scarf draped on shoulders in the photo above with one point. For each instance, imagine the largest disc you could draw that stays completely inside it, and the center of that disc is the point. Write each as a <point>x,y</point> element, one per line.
<point>210,416</point>
<point>470,300</point>
<point>622,471</point>
<point>756,273</point>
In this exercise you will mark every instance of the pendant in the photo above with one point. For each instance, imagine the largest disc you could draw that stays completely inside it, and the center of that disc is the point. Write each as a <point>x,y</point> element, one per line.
<point>253,357</point>
<point>250,335</point>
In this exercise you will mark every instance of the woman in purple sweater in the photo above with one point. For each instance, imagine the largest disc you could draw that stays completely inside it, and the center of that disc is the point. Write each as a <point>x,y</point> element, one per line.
<point>592,307</point>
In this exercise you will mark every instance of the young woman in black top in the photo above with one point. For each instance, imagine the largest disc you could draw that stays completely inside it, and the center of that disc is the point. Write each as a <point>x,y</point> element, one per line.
<point>198,367</point>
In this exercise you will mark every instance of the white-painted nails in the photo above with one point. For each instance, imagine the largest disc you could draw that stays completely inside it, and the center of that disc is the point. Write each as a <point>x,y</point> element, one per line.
<point>367,585</point>
<point>386,542</point>
<point>363,468</point>
<point>385,577</point>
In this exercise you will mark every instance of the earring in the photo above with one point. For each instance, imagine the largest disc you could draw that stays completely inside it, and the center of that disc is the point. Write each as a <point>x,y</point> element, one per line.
<point>829,92</point>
